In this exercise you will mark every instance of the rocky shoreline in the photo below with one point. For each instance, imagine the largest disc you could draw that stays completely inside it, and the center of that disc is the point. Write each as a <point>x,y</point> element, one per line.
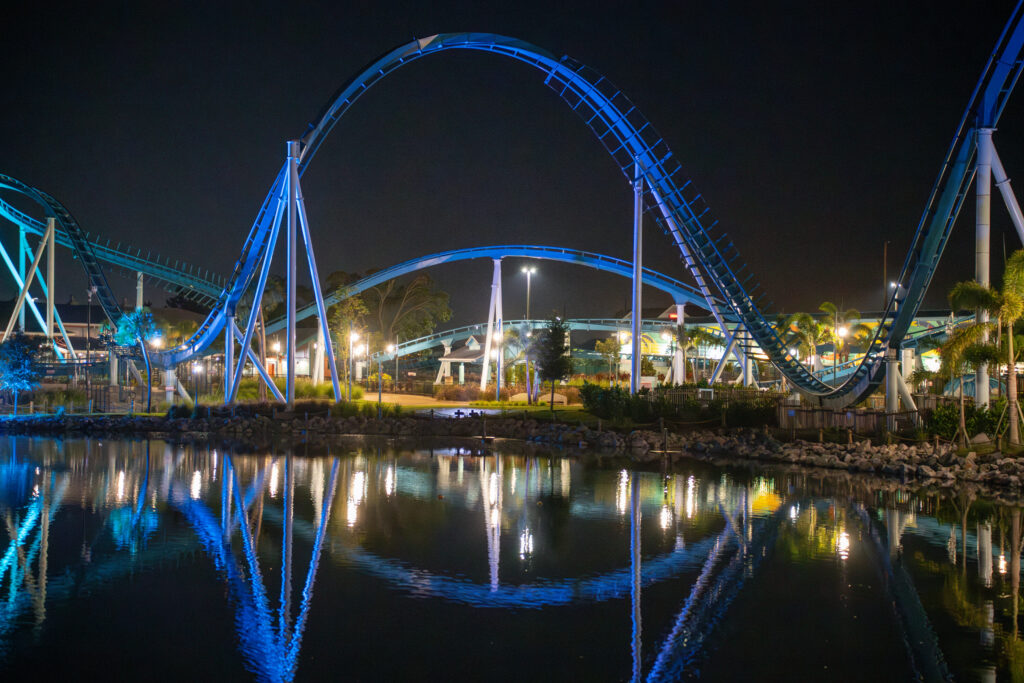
<point>922,461</point>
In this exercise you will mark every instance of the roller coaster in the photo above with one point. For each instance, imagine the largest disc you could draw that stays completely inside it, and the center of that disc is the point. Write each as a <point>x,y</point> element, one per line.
<point>668,197</point>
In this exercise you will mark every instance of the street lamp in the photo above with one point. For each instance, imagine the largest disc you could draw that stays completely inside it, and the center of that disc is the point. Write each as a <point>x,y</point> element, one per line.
<point>88,340</point>
<point>394,380</point>
<point>529,270</point>
<point>353,337</point>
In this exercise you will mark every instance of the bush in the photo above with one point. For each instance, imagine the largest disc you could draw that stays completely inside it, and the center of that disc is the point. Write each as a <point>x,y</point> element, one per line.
<point>944,419</point>
<point>615,403</point>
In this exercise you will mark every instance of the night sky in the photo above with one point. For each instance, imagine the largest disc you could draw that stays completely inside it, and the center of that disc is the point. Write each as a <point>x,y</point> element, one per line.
<point>814,130</point>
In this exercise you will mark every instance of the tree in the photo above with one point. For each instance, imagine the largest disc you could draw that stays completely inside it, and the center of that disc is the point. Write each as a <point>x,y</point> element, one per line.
<point>138,327</point>
<point>842,327</point>
<point>1007,304</point>
<point>611,350</point>
<point>552,359</point>
<point>809,334</point>
<point>17,360</point>
<point>647,366</point>
<point>406,310</point>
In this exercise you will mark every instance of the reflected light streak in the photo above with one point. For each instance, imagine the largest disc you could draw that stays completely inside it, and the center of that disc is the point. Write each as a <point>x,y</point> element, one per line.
<point>691,497</point>
<point>274,475</point>
<point>356,494</point>
<point>525,544</point>
<point>843,545</point>
<point>120,486</point>
<point>666,517</point>
<point>1002,563</point>
<point>196,487</point>
<point>622,492</point>
<point>493,481</point>
<point>389,482</point>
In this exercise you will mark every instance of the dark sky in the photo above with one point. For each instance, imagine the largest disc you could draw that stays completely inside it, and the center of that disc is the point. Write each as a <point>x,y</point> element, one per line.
<point>814,130</point>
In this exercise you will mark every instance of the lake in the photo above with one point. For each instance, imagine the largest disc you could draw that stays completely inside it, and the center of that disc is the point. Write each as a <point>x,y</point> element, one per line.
<point>135,560</point>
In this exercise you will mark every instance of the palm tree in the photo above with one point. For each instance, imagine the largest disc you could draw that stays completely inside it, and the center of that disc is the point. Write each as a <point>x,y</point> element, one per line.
<point>809,334</point>
<point>1007,305</point>
<point>842,326</point>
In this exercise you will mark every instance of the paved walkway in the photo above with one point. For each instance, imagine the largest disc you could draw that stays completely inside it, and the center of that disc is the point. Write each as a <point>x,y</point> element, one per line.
<point>412,400</point>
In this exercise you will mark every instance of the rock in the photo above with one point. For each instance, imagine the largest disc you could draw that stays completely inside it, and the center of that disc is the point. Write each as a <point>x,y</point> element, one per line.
<point>925,471</point>
<point>981,438</point>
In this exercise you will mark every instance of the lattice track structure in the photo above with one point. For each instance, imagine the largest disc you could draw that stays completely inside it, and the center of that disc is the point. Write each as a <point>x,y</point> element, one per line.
<point>669,198</point>
<point>203,287</point>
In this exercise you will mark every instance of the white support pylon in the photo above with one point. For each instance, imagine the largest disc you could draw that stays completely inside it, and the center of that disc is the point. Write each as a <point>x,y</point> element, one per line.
<point>51,230</point>
<point>1009,198</point>
<point>678,366</point>
<point>491,310</point>
<point>23,252</point>
<point>291,270</point>
<point>139,279</point>
<point>636,364</point>
<point>982,248</point>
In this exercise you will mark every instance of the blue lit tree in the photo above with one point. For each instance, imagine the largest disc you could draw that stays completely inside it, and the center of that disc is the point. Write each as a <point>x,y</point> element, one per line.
<point>17,365</point>
<point>138,327</point>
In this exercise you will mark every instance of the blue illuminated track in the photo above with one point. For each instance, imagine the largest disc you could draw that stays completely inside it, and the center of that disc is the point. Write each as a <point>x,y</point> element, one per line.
<point>680,292</point>
<point>176,278</point>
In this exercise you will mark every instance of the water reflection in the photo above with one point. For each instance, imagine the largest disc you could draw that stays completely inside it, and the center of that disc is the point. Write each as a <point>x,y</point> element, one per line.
<point>458,530</point>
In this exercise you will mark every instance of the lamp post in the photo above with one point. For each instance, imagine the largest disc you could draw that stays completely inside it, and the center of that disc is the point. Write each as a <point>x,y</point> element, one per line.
<point>529,270</point>
<point>392,348</point>
<point>380,384</point>
<point>668,337</point>
<point>88,340</point>
<point>353,336</point>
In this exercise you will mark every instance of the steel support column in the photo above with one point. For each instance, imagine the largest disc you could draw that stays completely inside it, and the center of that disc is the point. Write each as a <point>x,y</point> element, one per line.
<point>491,310</point>
<point>51,230</point>
<point>638,266</point>
<point>139,279</point>
<point>229,353</point>
<point>892,373</point>
<point>1009,198</point>
<point>291,276</point>
<point>678,366</point>
<point>982,247</point>
<point>23,252</point>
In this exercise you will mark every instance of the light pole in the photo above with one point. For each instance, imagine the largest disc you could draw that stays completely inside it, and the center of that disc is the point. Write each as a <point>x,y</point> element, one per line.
<point>529,270</point>
<point>353,336</point>
<point>392,348</point>
<point>88,340</point>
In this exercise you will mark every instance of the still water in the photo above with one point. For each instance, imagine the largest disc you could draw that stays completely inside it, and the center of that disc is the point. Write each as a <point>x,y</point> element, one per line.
<point>152,561</point>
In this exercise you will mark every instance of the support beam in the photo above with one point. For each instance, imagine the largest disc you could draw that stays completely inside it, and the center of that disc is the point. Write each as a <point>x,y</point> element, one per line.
<point>23,252</point>
<point>678,365</point>
<point>1009,198</point>
<point>638,269</point>
<point>318,297</point>
<point>982,248</point>
<point>495,285</point>
<point>138,290</point>
<point>170,384</point>
<point>892,376</point>
<point>51,230</point>
<point>20,303</point>
<point>229,354</point>
<point>291,270</point>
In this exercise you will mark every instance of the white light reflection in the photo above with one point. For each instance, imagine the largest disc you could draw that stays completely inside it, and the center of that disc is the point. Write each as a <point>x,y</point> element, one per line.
<point>495,517</point>
<point>622,492</point>
<point>525,544</point>
<point>493,481</point>
<point>512,483</point>
<point>356,494</point>
<point>196,487</point>
<point>120,486</point>
<point>1002,563</point>
<point>389,482</point>
<point>666,517</point>
<point>843,545</point>
<point>794,512</point>
<point>691,497</point>
<point>274,474</point>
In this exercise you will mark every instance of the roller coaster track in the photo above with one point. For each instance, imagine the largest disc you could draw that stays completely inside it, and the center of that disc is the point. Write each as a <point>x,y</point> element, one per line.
<point>177,277</point>
<point>670,199</point>
<point>679,291</point>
